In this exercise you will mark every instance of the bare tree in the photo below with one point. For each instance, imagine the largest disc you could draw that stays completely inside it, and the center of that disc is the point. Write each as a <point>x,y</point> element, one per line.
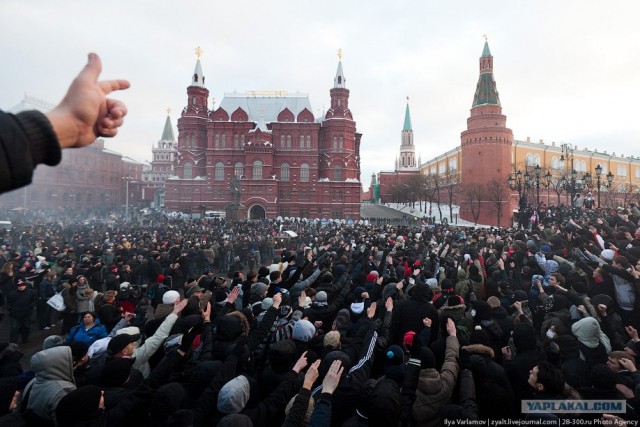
<point>450,186</point>
<point>473,194</point>
<point>497,196</point>
<point>415,187</point>
<point>436,188</point>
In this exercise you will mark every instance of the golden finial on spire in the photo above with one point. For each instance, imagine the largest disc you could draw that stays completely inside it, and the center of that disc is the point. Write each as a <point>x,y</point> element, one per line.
<point>485,37</point>
<point>340,54</point>
<point>407,99</point>
<point>168,111</point>
<point>199,52</point>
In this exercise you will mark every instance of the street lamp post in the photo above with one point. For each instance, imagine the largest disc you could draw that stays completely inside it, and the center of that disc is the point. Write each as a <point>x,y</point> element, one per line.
<point>609,177</point>
<point>538,171</point>
<point>126,202</point>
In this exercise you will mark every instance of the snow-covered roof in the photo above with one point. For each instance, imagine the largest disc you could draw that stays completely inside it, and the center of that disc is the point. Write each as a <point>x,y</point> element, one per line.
<point>31,103</point>
<point>265,105</point>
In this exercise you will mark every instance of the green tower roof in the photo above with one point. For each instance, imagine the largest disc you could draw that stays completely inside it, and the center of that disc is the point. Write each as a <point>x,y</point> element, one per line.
<point>167,133</point>
<point>407,119</point>
<point>486,51</point>
<point>486,92</point>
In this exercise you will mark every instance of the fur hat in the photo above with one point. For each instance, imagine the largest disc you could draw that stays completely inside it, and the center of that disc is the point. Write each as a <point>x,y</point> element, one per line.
<point>332,340</point>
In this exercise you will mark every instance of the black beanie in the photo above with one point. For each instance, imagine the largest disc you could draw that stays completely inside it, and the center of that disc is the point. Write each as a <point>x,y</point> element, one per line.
<point>115,372</point>
<point>80,404</point>
<point>78,349</point>
<point>427,358</point>
<point>167,400</point>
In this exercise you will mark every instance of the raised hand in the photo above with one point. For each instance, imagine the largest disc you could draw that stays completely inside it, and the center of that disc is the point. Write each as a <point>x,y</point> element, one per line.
<point>277,300</point>
<point>179,306</point>
<point>301,363</point>
<point>312,375</point>
<point>332,378</point>
<point>233,295</point>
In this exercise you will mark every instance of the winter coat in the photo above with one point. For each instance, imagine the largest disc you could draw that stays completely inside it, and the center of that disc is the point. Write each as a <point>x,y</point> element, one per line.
<point>69,297</point>
<point>143,353</point>
<point>53,369</point>
<point>80,334</point>
<point>22,303</point>
<point>408,316</point>
<point>435,388</point>
<point>83,298</point>
<point>494,394</point>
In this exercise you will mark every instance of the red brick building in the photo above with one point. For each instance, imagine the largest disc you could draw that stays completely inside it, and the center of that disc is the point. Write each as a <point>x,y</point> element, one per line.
<point>266,154</point>
<point>88,177</point>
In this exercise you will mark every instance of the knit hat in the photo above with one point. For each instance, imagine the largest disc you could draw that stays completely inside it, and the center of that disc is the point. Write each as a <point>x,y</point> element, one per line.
<point>160,278</point>
<point>394,355</point>
<point>52,341</point>
<point>258,288</point>
<point>267,303</point>
<point>531,245</point>
<point>545,249</point>
<point>371,278</point>
<point>427,358</point>
<point>234,395</point>
<point>115,372</point>
<point>170,297</point>
<point>607,254</point>
<point>303,331</point>
<point>332,340</point>
<point>408,338</point>
<point>80,404</point>
<point>602,299</point>
<point>633,346</point>
<point>78,349</point>
<point>321,297</point>
<point>327,277</point>
<point>220,296</point>
<point>343,318</point>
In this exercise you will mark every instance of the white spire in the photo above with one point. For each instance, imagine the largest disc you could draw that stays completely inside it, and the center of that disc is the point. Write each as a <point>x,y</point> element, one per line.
<point>198,78</point>
<point>339,81</point>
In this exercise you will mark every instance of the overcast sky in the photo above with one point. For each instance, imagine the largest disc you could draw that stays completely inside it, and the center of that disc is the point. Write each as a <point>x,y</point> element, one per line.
<point>566,71</point>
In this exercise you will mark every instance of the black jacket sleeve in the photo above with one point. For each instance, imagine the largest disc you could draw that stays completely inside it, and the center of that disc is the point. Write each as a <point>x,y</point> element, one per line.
<point>26,140</point>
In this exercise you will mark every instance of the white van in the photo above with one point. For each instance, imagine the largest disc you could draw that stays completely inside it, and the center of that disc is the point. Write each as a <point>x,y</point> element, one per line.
<point>215,214</point>
<point>6,225</point>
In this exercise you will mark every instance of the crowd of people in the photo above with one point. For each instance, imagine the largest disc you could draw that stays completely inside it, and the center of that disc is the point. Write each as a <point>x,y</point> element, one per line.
<point>195,322</point>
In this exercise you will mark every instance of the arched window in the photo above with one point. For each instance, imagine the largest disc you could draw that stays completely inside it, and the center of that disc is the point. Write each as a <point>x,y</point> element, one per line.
<point>337,172</point>
<point>301,141</point>
<point>223,141</point>
<point>308,141</point>
<point>529,160</point>
<point>217,140</point>
<point>555,163</point>
<point>622,170</point>
<point>257,169</point>
<point>238,170</point>
<point>285,171</point>
<point>304,172</point>
<point>335,142</point>
<point>442,168</point>
<point>282,137</point>
<point>637,172</point>
<point>288,141</point>
<point>433,170</point>
<point>236,141</point>
<point>453,164</point>
<point>536,159</point>
<point>187,171</point>
<point>340,142</point>
<point>219,171</point>
<point>241,140</point>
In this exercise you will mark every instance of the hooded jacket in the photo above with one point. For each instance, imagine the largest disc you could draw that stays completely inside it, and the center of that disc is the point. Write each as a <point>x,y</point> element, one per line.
<point>435,388</point>
<point>54,380</point>
<point>408,316</point>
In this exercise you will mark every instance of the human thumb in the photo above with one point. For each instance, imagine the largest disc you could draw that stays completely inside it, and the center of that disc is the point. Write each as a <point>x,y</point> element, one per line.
<point>93,68</point>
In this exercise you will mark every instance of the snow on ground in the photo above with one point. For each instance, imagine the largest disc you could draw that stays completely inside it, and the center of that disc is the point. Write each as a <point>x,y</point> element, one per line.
<point>415,211</point>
